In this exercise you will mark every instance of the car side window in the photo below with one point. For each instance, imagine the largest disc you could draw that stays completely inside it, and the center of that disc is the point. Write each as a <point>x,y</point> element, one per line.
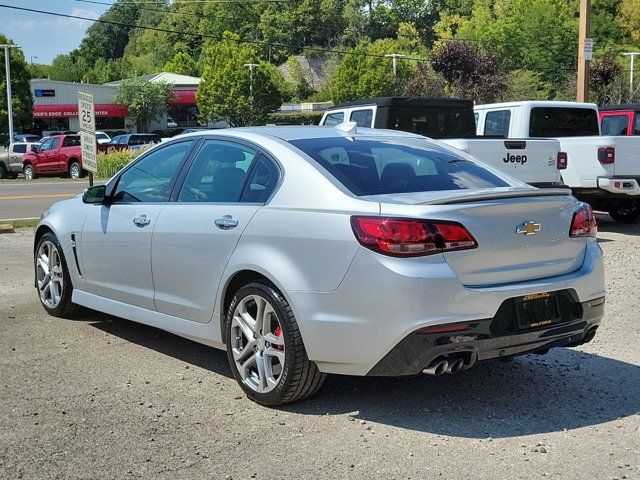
<point>46,145</point>
<point>55,143</point>
<point>335,118</point>
<point>615,125</point>
<point>636,126</point>
<point>218,173</point>
<point>363,117</point>
<point>71,141</point>
<point>263,180</point>
<point>497,123</point>
<point>123,140</point>
<point>20,148</point>
<point>150,179</point>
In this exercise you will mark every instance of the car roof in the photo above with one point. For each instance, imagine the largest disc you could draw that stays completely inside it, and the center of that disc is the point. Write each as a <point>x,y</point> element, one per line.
<point>407,101</point>
<point>538,103</point>
<point>300,132</point>
<point>635,107</point>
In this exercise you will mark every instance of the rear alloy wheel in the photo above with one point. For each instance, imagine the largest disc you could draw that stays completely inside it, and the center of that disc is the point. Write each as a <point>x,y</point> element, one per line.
<point>52,277</point>
<point>625,211</point>
<point>265,348</point>
<point>75,171</point>
<point>28,172</point>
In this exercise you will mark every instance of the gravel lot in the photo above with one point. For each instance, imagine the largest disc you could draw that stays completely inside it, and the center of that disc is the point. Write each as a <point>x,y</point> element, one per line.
<point>99,397</point>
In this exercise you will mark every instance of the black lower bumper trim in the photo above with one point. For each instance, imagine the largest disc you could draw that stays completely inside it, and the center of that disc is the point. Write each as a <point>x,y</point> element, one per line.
<point>485,340</point>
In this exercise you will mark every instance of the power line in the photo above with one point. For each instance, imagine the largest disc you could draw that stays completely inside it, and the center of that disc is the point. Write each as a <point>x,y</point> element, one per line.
<point>200,35</point>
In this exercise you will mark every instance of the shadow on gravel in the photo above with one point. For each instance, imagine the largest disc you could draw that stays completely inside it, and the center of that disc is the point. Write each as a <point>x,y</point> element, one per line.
<point>607,224</point>
<point>172,345</point>
<point>565,389</point>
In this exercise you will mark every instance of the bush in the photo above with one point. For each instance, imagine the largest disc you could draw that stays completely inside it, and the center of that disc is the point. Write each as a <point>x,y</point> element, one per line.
<point>301,118</point>
<point>111,163</point>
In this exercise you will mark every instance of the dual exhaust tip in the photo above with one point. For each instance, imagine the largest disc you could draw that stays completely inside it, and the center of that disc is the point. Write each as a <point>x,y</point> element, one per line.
<point>443,365</point>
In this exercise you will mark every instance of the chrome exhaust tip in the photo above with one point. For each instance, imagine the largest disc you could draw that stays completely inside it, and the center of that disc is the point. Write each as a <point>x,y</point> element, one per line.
<point>436,368</point>
<point>455,366</point>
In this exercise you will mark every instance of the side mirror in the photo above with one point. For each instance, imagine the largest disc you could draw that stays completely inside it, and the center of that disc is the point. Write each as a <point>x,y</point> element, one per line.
<point>95,195</point>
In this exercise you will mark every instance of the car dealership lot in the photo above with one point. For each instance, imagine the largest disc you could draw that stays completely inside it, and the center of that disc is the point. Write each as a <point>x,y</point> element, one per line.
<point>99,397</point>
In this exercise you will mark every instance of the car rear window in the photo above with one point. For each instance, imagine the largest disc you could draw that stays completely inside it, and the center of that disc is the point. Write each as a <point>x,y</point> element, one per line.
<point>388,166</point>
<point>563,122</point>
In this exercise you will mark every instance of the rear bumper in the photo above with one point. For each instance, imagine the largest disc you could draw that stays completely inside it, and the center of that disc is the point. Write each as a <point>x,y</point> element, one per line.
<point>382,301</point>
<point>478,343</point>
<point>625,186</point>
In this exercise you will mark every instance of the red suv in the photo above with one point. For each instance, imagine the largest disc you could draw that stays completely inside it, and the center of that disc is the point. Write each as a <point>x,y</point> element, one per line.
<point>620,119</point>
<point>59,155</point>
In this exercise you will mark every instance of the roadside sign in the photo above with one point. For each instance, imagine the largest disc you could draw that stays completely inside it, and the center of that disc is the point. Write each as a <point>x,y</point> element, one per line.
<point>87,119</point>
<point>89,151</point>
<point>588,48</point>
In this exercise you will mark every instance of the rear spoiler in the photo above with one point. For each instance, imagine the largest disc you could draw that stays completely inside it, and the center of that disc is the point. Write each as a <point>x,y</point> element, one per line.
<point>485,195</point>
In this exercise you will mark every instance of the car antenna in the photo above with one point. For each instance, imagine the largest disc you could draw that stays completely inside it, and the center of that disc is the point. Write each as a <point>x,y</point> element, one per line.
<point>350,128</point>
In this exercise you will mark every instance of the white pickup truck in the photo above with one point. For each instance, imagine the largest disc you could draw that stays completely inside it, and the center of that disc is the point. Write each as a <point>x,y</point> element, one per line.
<point>537,162</point>
<point>601,170</point>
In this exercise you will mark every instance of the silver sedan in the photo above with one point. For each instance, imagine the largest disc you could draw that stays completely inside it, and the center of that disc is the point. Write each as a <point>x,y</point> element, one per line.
<point>305,251</point>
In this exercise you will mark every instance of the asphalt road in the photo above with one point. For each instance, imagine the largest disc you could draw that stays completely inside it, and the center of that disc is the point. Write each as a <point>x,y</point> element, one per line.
<point>98,397</point>
<point>23,199</point>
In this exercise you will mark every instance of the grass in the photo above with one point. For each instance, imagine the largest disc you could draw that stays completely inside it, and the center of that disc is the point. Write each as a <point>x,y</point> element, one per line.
<point>27,223</point>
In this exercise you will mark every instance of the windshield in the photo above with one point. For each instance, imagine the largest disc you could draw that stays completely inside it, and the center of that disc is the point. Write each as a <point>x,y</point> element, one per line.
<point>434,122</point>
<point>388,166</point>
<point>563,122</point>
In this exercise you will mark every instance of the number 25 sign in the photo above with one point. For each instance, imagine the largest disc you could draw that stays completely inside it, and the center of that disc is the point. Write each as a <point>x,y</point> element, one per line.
<point>85,112</point>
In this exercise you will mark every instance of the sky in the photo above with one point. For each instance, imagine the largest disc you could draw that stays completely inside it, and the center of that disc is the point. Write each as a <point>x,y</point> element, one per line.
<point>45,36</point>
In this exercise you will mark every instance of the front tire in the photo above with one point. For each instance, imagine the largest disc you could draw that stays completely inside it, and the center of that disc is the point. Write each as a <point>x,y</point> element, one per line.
<point>265,348</point>
<point>52,277</point>
<point>28,172</point>
<point>625,211</point>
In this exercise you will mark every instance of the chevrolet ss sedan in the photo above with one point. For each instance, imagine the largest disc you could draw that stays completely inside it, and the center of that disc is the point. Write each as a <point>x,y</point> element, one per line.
<point>306,251</point>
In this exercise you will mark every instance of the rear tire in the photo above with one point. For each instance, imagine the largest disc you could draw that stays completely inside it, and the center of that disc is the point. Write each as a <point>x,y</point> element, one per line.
<point>28,172</point>
<point>3,171</point>
<point>52,277</point>
<point>75,171</point>
<point>625,211</point>
<point>274,383</point>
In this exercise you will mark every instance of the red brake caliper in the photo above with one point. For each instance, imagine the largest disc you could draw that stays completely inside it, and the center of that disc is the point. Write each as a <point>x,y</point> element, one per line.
<point>278,333</point>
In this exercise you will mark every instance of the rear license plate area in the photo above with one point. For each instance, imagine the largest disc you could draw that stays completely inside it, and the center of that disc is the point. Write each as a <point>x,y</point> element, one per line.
<point>537,310</point>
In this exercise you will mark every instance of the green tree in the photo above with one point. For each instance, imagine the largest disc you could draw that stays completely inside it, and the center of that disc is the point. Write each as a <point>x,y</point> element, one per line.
<point>68,68</point>
<point>629,17</point>
<point>526,84</point>
<point>365,72</point>
<point>146,101</point>
<point>182,63</point>
<point>224,92</point>
<point>22,100</point>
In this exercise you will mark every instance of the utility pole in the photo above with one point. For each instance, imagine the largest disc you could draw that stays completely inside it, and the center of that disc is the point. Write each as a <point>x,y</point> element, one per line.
<point>395,57</point>
<point>32,57</point>
<point>633,56</point>
<point>251,66</point>
<point>7,64</point>
<point>585,47</point>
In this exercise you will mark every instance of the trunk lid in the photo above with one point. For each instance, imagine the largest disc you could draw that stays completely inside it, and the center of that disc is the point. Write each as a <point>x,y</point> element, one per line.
<point>502,256</point>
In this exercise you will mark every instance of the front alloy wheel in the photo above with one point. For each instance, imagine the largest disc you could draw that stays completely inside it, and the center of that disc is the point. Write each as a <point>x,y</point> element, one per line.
<point>265,348</point>
<point>52,277</point>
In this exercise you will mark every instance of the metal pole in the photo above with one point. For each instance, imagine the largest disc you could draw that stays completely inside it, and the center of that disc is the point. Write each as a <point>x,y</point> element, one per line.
<point>633,56</point>
<point>7,64</point>
<point>394,58</point>
<point>583,64</point>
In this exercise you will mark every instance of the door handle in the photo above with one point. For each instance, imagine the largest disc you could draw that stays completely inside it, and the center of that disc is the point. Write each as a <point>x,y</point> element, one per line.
<point>227,222</point>
<point>142,221</point>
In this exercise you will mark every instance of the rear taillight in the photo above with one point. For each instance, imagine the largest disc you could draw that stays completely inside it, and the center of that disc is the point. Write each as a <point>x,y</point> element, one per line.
<point>407,237</point>
<point>583,223</point>
<point>606,155</point>
<point>562,161</point>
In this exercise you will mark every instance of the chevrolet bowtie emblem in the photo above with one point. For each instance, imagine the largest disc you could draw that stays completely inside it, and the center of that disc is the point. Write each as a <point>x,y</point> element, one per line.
<point>528,228</point>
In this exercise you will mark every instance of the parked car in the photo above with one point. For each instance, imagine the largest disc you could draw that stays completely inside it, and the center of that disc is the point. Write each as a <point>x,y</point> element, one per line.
<point>11,158</point>
<point>304,251</point>
<point>131,141</point>
<point>602,170</point>
<point>26,138</point>
<point>57,155</point>
<point>537,162</point>
<point>171,123</point>
<point>102,138</point>
<point>620,119</point>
